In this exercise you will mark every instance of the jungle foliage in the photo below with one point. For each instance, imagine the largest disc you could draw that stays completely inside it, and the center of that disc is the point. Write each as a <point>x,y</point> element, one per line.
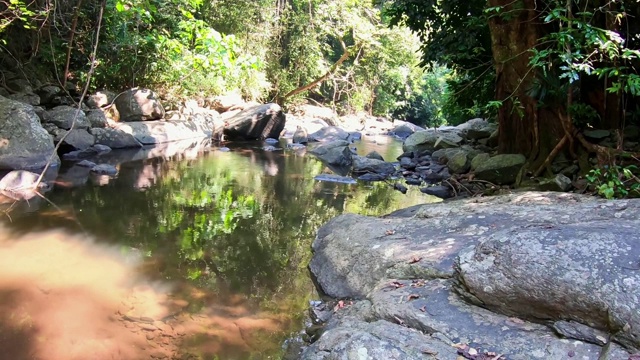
<point>545,70</point>
<point>339,53</point>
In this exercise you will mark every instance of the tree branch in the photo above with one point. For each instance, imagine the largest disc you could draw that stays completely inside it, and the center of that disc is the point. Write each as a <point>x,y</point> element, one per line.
<point>322,78</point>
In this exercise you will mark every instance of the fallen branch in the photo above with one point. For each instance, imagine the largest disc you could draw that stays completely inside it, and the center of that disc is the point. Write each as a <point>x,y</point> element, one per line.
<point>322,78</point>
<point>552,155</point>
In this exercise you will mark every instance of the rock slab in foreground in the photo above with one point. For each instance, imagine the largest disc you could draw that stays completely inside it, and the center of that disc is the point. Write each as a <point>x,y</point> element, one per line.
<point>554,259</point>
<point>587,273</point>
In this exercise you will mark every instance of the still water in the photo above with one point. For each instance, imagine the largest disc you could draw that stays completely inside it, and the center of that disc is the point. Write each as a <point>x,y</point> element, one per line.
<point>197,254</point>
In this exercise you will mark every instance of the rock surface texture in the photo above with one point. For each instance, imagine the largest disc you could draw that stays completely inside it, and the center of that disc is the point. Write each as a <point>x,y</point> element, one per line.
<point>520,276</point>
<point>24,143</point>
<point>256,122</point>
<point>139,105</point>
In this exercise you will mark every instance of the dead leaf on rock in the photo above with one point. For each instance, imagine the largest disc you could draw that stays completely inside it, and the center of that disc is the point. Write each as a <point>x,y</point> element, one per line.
<point>414,260</point>
<point>413,296</point>
<point>515,320</point>
<point>424,308</point>
<point>429,352</point>
<point>339,305</point>
<point>389,232</point>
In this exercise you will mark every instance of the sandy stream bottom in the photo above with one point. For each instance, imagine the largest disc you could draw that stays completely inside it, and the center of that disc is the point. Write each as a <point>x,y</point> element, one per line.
<point>66,297</point>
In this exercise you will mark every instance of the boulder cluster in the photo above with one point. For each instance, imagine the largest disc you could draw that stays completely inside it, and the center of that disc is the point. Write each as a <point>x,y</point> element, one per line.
<point>437,160</point>
<point>44,124</point>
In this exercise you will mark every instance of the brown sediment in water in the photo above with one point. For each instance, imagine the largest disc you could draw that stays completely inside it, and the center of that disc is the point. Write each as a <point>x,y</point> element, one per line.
<point>66,297</point>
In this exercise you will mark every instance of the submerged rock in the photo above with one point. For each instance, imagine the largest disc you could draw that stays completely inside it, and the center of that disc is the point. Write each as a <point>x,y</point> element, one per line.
<point>21,185</point>
<point>372,177</point>
<point>374,155</point>
<point>104,169</point>
<point>335,178</point>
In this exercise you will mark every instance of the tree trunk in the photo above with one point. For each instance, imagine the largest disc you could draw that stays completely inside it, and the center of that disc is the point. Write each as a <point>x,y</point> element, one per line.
<point>523,127</point>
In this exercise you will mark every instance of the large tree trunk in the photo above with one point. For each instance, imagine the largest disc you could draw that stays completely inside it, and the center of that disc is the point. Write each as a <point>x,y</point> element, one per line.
<point>520,119</point>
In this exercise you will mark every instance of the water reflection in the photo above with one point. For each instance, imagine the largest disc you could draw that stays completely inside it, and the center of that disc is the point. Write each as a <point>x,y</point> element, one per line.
<point>213,249</point>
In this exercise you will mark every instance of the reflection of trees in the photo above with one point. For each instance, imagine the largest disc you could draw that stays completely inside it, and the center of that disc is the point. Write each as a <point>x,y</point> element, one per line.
<point>227,222</point>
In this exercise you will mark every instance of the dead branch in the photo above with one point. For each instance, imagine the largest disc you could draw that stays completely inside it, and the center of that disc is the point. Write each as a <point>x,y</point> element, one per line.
<point>322,78</point>
<point>84,94</point>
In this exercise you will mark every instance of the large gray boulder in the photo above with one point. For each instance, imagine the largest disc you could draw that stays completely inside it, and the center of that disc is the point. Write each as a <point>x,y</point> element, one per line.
<point>97,118</point>
<point>476,129</point>
<point>459,163</point>
<point>335,153</point>
<point>256,123</point>
<point>100,99</point>
<point>63,117</point>
<point>432,140</point>
<point>329,133</point>
<point>25,143</point>
<point>500,169</point>
<point>403,129</point>
<point>363,165</point>
<point>79,139</point>
<point>139,105</point>
<point>536,276</point>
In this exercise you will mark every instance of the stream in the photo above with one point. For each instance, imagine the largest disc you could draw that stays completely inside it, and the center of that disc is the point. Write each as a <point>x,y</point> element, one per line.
<point>188,253</point>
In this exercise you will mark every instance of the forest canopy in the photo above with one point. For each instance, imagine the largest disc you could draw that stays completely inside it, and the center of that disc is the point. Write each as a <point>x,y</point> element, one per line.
<point>557,67</point>
<point>338,53</point>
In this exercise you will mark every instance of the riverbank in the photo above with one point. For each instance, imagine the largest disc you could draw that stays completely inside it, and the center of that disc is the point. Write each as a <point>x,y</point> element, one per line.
<point>521,276</point>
